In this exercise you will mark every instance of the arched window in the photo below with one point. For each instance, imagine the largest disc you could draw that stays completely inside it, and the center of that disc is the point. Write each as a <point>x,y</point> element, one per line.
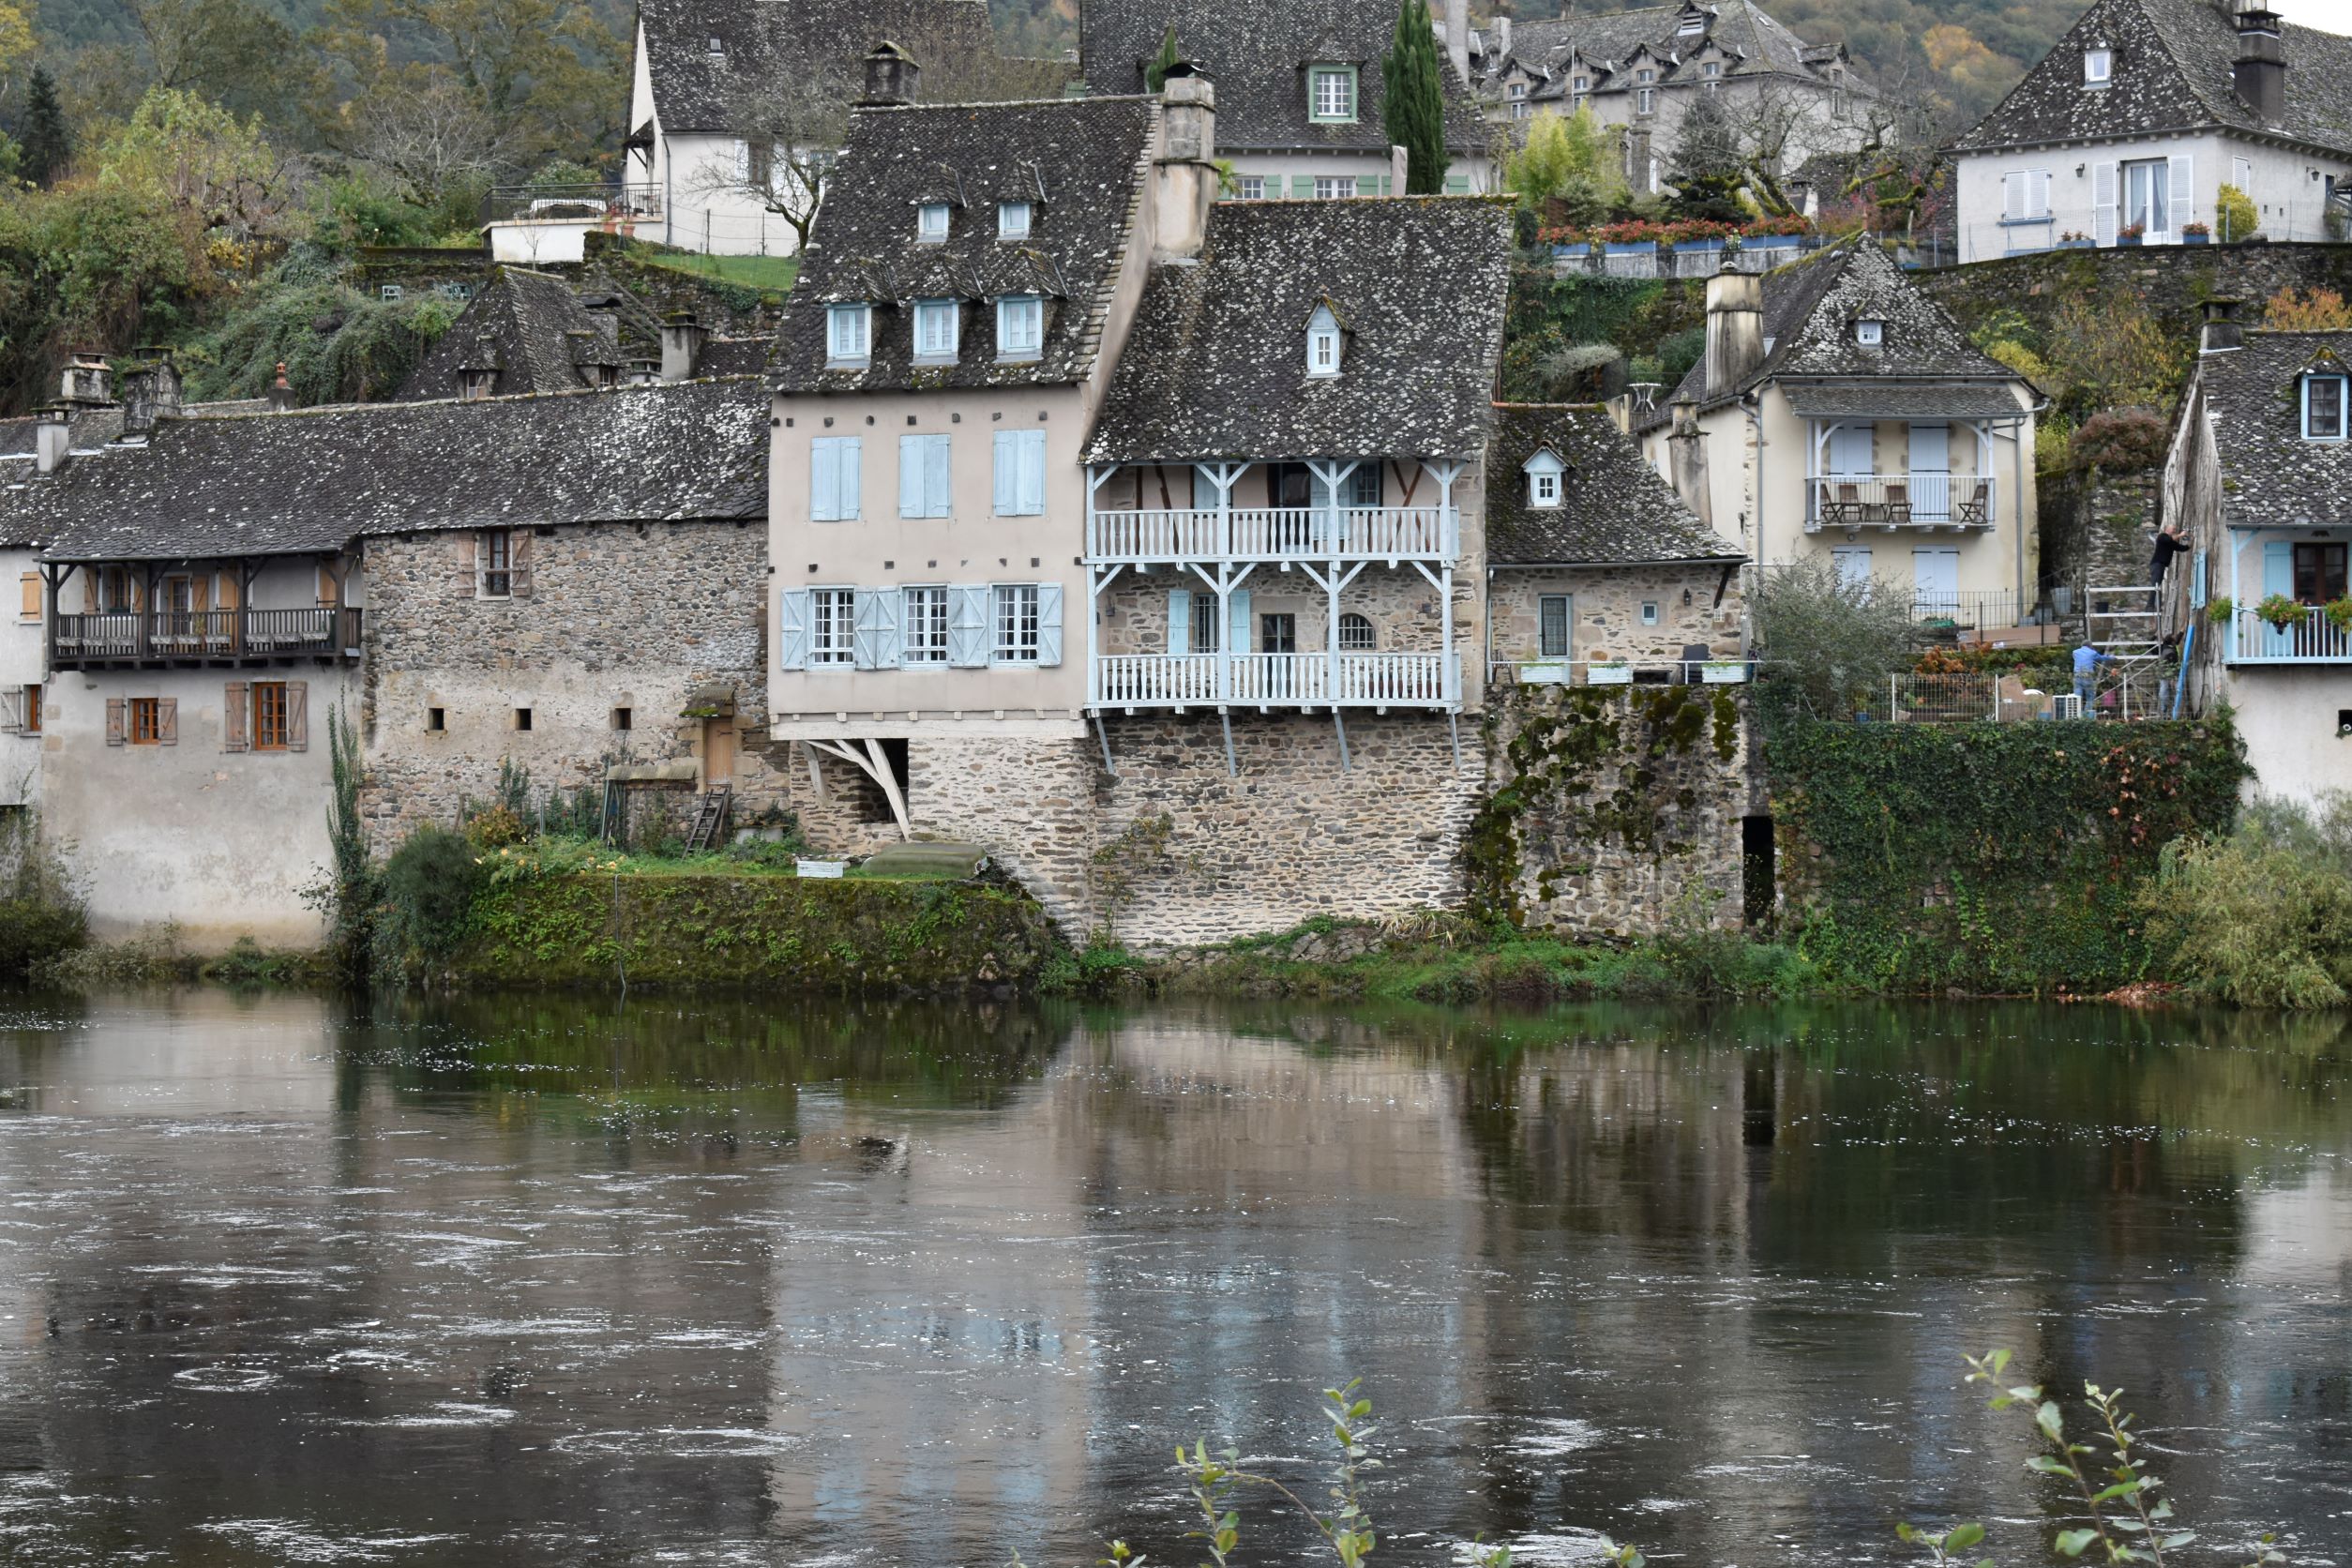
<point>1322,343</point>
<point>1355,635</point>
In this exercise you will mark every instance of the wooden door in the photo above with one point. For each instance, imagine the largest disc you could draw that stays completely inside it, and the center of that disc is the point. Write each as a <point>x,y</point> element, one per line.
<point>718,752</point>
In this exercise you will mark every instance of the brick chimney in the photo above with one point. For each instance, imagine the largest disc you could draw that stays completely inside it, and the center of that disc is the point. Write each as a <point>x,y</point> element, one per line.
<point>2260,73</point>
<point>892,78</point>
<point>88,380</point>
<point>2221,330</point>
<point>1185,179</point>
<point>53,438</point>
<point>151,390</point>
<point>1735,330</point>
<point>682,339</point>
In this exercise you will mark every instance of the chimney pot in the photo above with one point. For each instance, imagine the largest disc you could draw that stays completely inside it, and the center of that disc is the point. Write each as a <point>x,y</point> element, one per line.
<point>892,77</point>
<point>1735,330</point>
<point>51,438</point>
<point>2221,330</point>
<point>2260,72</point>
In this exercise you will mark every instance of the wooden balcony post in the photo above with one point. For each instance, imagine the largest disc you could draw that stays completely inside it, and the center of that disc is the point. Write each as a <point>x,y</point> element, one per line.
<point>144,614</point>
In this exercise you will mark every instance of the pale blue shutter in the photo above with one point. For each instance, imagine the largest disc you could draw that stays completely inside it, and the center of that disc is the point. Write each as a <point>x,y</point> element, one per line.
<point>1049,623</point>
<point>862,626</point>
<point>937,495</point>
<point>967,625</point>
<point>849,453</point>
<point>1237,635</point>
<point>1300,184</point>
<point>888,627</point>
<point>1388,183</point>
<point>1367,184</point>
<point>792,630</point>
<point>1033,473</point>
<point>1457,184</point>
<point>910,468</point>
<point>1179,622</point>
<point>1007,456</point>
<point>824,481</point>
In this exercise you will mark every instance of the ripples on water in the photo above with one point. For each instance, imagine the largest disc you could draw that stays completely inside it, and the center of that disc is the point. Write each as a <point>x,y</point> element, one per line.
<point>545,1281</point>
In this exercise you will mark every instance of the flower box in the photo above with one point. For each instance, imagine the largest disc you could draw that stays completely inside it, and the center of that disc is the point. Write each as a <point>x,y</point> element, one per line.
<point>2197,240</point>
<point>1723,672</point>
<point>1632,247</point>
<point>1582,247</point>
<point>1545,673</point>
<point>1608,675</point>
<point>820,867</point>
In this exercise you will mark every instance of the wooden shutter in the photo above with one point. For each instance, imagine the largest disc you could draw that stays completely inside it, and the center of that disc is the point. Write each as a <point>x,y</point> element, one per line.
<point>1367,184</point>
<point>518,558</point>
<point>2180,204</point>
<point>12,711</point>
<point>911,469</point>
<point>1033,473</point>
<point>937,494</point>
<point>200,593</point>
<point>824,480</point>
<point>2013,193</point>
<point>864,620</point>
<point>1005,451</point>
<point>89,590</point>
<point>1300,184</point>
<point>2104,200</point>
<point>297,715</point>
<point>1179,622</point>
<point>968,630</point>
<point>227,595</point>
<point>469,552</point>
<point>167,721</point>
<point>1049,623</point>
<point>1237,636</point>
<point>326,588</point>
<point>847,455</point>
<point>30,585</point>
<point>792,630</point>
<point>234,709</point>
<point>114,721</point>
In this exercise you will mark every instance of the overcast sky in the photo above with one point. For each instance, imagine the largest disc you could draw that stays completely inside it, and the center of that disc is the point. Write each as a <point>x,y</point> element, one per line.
<point>2334,15</point>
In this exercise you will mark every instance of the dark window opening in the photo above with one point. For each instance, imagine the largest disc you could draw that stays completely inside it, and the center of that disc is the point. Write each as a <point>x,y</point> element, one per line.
<point>436,719</point>
<point>522,718</point>
<point>1278,634</point>
<point>2319,573</point>
<point>1758,890</point>
<point>873,805</point>
<point>2343,721</point>
<point>622,718</point>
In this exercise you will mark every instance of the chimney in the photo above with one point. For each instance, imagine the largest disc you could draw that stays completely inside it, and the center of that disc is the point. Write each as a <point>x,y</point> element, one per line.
<point>1686,456</point>
<point>892,78</point>
<point>281,391</point>
<point>1502,36</point>
<point>151,390</point>
<point>88,380</point>
<point>51,438</point>
<point>2260,73</point>
<point>681,345</point>
<point>1735,330</point>
<point>1457,36</point>
<point>1187,179</point>
<point>2222,331</point>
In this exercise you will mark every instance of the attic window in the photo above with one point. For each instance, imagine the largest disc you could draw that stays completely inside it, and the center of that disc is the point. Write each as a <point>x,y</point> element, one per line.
<point>1712,67</point>
<point>1583,84</point>
<point>1322,343</point>
<point>1021,327</point>
<point>930,222</point>
<point>1693,21</point>
<point>1543,472</point>
<point>849,334</point>
<point>936,324</point>
<point>2324,408</point>
<point>1012,220</point>
<point>2098,66</point>
<point>473,385</point>
<point>1333,93</point>
<point>718,45</point>
<point>1870,332</point>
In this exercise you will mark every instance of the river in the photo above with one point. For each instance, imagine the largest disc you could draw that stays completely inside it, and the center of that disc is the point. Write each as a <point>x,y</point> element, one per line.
<point>556,1280</point>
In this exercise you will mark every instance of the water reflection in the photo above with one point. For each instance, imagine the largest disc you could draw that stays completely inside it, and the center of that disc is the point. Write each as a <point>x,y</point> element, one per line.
<point>544,1280</point>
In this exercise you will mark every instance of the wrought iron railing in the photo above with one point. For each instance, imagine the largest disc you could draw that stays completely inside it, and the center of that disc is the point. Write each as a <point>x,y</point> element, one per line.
<point>1900,500</point>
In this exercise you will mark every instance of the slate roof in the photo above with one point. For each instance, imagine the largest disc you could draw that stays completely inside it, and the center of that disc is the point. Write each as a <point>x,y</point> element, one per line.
<point>529,327</point>
<point>1756,44</point>
<point>1082,164</point>
<point>1257,54</point>
<point>314,479</point>
<point>1215,365</point>
<point>2272,477</point>
<point>91,428</point>
<point>2173,62</point>
<point>769,41</point>
<point>1615,509</point>
<point>1810,308</point>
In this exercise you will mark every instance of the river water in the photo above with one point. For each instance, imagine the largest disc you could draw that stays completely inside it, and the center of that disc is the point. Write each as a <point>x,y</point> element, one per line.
<point>562,1281</point>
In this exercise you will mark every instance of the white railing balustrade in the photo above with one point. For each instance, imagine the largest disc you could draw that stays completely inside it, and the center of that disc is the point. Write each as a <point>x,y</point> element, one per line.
<point>1156,680</point>
<point>1274,680</point>
<point>2316,641</point>
<point>1275,534</point>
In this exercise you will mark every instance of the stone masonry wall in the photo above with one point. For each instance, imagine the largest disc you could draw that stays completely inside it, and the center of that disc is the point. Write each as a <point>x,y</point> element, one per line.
<point>1606,612</point>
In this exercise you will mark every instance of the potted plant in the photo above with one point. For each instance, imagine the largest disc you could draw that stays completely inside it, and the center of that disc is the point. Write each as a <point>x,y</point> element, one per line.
<point>1605,671</point>
<point>2196,233</point>
<point>2338,614</point>
<point>2219,608</point>
<point>2073,240</point>
<point>2280,612</point>
<point>2131,234</point>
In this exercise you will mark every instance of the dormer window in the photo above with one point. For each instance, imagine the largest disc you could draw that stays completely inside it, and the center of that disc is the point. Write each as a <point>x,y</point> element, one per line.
<point>2098,66</point>
<point>2324,408</point>
<point>1583,84</point>
<point>1012,220</point>
<point>1021,327</point>
<point>936,330</point>
<point>1693,23</point>
<point>473,385</point>
<point>1331,93</point>
<point>849,334</point>
<point>1322,343</point>
<point>1543,475</point>
<point>1712,67</point>
<point>930,222</point>
<point>1869,332</point>
<point>718,45</point>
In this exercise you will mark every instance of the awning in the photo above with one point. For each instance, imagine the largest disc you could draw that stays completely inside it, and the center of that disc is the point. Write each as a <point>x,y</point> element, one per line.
<point>1959,400</point>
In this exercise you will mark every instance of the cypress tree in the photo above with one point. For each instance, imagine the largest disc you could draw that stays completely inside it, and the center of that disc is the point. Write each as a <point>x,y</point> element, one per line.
<point>42,133</point>
<point>1155,74</point>
<point>1413,113</point>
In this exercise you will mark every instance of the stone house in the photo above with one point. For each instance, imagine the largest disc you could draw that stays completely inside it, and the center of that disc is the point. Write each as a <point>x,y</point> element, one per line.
<point>1838,412</point>
<point>2257,476</point>
<point>526,332</point>
<point>2138,116</point>
<point>1300,89</point>
<point>1640,71</point>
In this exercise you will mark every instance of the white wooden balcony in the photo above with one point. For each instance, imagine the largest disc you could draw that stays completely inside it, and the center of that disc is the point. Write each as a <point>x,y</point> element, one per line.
<point>1274,534</point>
<point>1916,500</point>
<point>2316,641</point>
<point>1319,680</point>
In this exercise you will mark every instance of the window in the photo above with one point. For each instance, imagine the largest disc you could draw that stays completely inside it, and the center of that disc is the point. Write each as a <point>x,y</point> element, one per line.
<point>1645,77</point>
<point>28,710</point>
<point>1544,473</point>
<point>1518,89</point>
<point>624,718</point>
<point>930,222</point>
<point>1335,93</point>
<point>114,589</point>
<point>2319,575</point>
<point>1869,334</point>
<point>717,45</point>
<point>2026,196</point>
<point>1693,23</point>
<point>1021,474</point>
<point>849,334</point>
<point>147,721</point>
<point>926,627</point>
<point>272,726</point>
<point>1250,187</point>
<point>1322,343</point>
<point>1278,633</point>
<point>1016,622</point>
<point>1355,635</point>
<point>925,476</point>
<point>497,575</point>
<point>1012,220</point>
<point>1363,485</point>
<point>475,386</point>
<point>832,625</point>
<point>936,325</point>
<point>1649,612</point>
<point>2147,196</point>
<point>391,291</point>
<point>1551,626</point>
<point>1331,187</point>
<point>1646,100</point>
<point>833,478</point>
<point>2323,408</point>
<point>1712,67</point>
<point>1583,84</point>
<point>1020,327</point>
<point>2098,66</point>
<point>522,719</point>
<point>436,721</point>
<point>1208,626</point>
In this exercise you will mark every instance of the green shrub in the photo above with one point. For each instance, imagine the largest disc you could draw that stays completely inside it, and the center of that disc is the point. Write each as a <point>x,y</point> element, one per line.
<point>429,887</point>
<point>2262,917</point>
<point>42,913</point>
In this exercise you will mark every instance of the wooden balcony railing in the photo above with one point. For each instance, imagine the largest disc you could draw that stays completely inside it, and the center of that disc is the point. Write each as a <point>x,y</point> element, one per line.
<point>202,636</point>
<point>1405,680</point>
<point>1900,500</point>
<point>1276,534</point>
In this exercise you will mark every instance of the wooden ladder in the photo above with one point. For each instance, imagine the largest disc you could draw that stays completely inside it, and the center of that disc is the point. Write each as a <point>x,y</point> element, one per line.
<point>710,819</point>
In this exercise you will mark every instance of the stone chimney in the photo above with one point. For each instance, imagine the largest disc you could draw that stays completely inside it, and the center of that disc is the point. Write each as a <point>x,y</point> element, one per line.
<point>88,381</point>
<point>2260,73</point>
<point>281,391</point>
<point>2220,331</point>
<point>1503,37</point>
<point>1735,330</point>
<point>1457,36</point>
<point>1686,457</point>
<point>1185,181</point>
<point>151,390</point>
<point>892,78</point>
<point>681,345</point>
<point>51,438</point>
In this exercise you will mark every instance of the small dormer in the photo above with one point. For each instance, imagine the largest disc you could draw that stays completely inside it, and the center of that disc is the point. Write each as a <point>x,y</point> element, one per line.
<point>1326,342</point>
<point>476,382</point>
<point>930,222</point>
<point>1694,22</point>
<point>2320,398</point>
<point>1013,220</point>
<point>2098,64</point>
<point>1546,480</point>
<point>1870,332</point>
<point>1331,93</point>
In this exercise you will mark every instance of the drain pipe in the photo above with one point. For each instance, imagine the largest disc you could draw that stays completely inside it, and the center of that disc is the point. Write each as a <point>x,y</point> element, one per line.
<point>2019,455</point>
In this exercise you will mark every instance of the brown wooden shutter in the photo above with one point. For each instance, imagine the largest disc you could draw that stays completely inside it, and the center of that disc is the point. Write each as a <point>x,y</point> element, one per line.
<point>519,550</point>
<point>468,546</point>
<point>114,721</point>
<point>200,591</point>
<point>31,586</point>
<point>327,593</point>
<point>297,715</point>
<point>167,721</point>
<point>89,590</point>
<point>233,708</point>
<point>227,595</point>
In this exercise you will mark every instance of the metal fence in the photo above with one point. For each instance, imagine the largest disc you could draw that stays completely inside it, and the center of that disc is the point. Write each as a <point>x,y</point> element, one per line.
<point>571,201</point>
<point>2141,690</point>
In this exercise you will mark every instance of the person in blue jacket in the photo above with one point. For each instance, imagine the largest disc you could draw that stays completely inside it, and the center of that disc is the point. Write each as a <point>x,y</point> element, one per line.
<point>2087,662</point>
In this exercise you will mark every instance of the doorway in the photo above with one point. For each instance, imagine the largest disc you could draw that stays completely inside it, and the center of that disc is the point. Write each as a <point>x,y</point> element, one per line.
<point>718,753</point>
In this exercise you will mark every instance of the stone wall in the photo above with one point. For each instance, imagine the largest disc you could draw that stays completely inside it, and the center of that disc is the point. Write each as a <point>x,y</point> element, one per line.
<point>1606,612</point>
<point>1400,603</point>
<point>625,623</point>
<point>2172,280</point>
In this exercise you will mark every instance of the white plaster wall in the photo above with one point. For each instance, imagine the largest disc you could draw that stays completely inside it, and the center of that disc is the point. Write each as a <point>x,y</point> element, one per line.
<point>1287,166</point>
<point>702,207</point>
<point>2290,201</point>
<point>2288,717</point>
<point>23,663</point>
